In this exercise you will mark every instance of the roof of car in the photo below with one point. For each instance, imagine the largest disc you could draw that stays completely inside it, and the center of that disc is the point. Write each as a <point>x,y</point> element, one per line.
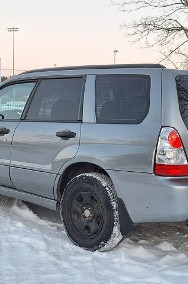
<point>96,67</point>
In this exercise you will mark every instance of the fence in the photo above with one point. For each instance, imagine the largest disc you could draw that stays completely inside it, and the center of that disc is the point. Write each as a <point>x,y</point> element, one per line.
<point>7,73</point>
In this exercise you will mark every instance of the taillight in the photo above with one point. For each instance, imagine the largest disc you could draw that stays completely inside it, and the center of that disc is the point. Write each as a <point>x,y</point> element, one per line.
<point>174,139</point>
<point>170,159</point>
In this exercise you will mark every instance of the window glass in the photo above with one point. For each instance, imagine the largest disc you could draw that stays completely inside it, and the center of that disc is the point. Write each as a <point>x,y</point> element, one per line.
<point>57,99</point>
<point>122,98</point>
<point>182,92</point>
<point>13,99</point>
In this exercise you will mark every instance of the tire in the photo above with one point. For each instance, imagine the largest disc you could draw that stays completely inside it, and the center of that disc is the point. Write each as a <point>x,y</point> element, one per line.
<point>89,212</point>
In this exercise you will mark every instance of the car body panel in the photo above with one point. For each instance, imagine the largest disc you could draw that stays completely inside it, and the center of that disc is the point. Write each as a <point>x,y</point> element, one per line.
<point>123,146</point>
<point>150,198</point>
<point>5,152</point>
<point>170,107</point>
<point>38,154</point>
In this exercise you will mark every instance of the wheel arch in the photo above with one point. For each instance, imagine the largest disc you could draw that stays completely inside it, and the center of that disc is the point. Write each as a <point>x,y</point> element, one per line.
<point>73,170</point>
<point>84,167</point>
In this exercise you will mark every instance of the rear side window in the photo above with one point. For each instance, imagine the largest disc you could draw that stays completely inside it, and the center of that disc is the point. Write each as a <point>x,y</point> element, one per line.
<point>122,98</point>
<point>182,92</point>
<point>57,100</point>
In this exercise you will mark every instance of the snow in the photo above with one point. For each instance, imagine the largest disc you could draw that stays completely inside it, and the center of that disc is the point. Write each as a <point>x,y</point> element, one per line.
<point>36,249</point>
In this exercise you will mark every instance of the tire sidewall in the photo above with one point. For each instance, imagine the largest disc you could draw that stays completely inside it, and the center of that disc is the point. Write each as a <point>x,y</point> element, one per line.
<point>100,187</point>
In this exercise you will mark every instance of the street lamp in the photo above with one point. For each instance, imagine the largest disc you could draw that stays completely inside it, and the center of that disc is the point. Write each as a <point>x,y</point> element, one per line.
<point>115,51</point>
<point>0,70</point>
<point>13,30</point>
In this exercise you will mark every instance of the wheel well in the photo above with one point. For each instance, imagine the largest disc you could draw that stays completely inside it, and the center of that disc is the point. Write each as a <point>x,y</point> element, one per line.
<point>125,221</point>
<point>73,171</point>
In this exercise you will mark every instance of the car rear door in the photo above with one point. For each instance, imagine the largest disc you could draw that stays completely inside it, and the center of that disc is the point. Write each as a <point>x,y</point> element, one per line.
<point>48,136</point>
<point>13,97</point>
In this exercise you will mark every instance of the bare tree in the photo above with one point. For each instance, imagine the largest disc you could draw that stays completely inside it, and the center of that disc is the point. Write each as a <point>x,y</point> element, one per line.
<point>162,23</point>
<point>185,65</point>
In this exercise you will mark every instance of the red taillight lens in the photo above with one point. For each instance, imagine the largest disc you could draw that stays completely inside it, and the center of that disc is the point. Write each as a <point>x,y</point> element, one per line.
<point>170,156</point>
<point>171,170</point>
<point>174,139</point>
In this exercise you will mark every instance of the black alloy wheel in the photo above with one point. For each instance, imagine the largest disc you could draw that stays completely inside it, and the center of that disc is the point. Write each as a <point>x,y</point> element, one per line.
<point>89,212</point>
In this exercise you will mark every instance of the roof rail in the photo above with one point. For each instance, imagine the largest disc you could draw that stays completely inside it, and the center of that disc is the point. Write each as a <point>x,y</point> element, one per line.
<point>96,67</point>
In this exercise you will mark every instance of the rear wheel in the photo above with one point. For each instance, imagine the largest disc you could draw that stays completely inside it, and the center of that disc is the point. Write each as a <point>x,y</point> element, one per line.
<point>90,213</point>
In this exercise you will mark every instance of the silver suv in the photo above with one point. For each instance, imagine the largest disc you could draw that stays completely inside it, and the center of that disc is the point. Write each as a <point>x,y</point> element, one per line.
<point>105,145</point>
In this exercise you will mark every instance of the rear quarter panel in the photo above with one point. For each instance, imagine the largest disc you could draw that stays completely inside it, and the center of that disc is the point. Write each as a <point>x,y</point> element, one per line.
<point>170,107</point>
<point>125,147</point>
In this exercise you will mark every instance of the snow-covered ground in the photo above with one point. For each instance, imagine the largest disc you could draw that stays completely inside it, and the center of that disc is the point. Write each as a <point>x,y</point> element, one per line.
<point>35,249</point>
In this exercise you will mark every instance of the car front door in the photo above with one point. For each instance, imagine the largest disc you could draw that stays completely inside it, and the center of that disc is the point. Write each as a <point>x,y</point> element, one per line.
<point>48,136</point>
<point>13,97</point>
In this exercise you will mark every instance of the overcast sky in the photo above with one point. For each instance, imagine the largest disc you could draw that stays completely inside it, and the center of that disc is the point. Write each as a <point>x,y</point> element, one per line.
<point>65,32</point>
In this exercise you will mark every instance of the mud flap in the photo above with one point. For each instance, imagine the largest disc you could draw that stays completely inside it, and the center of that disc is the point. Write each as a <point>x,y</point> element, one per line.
<point>126,224</point>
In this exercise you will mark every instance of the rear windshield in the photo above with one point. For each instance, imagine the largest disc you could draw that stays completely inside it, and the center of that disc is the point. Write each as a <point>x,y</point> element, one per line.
<point>182,91</point>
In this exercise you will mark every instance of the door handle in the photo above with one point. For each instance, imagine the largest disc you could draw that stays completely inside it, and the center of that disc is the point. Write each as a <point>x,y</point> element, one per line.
<point>66,134</point>
<point>4,130</point>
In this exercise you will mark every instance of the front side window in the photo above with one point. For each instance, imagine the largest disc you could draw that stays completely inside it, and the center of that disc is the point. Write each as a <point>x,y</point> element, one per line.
<point>182,92</point>
<point>122,98</point>
<point>57,100</point>
<point>13,99</point>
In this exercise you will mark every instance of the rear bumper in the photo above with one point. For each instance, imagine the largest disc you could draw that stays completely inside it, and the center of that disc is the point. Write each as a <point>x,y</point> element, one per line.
<point>150,198</point>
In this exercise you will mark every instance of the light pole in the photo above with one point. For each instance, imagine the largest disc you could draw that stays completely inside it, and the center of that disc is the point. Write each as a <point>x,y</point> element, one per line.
<point>0,70</point>
<point>13,30</point>
<point>115,51</point>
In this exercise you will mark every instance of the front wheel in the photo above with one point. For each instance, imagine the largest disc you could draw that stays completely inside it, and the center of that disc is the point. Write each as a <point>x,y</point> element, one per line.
<point>89,212</point>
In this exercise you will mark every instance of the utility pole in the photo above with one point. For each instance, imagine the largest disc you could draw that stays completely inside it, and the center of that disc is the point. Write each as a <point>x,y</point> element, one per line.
<point>13,30</point>
<point>115,51</point>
